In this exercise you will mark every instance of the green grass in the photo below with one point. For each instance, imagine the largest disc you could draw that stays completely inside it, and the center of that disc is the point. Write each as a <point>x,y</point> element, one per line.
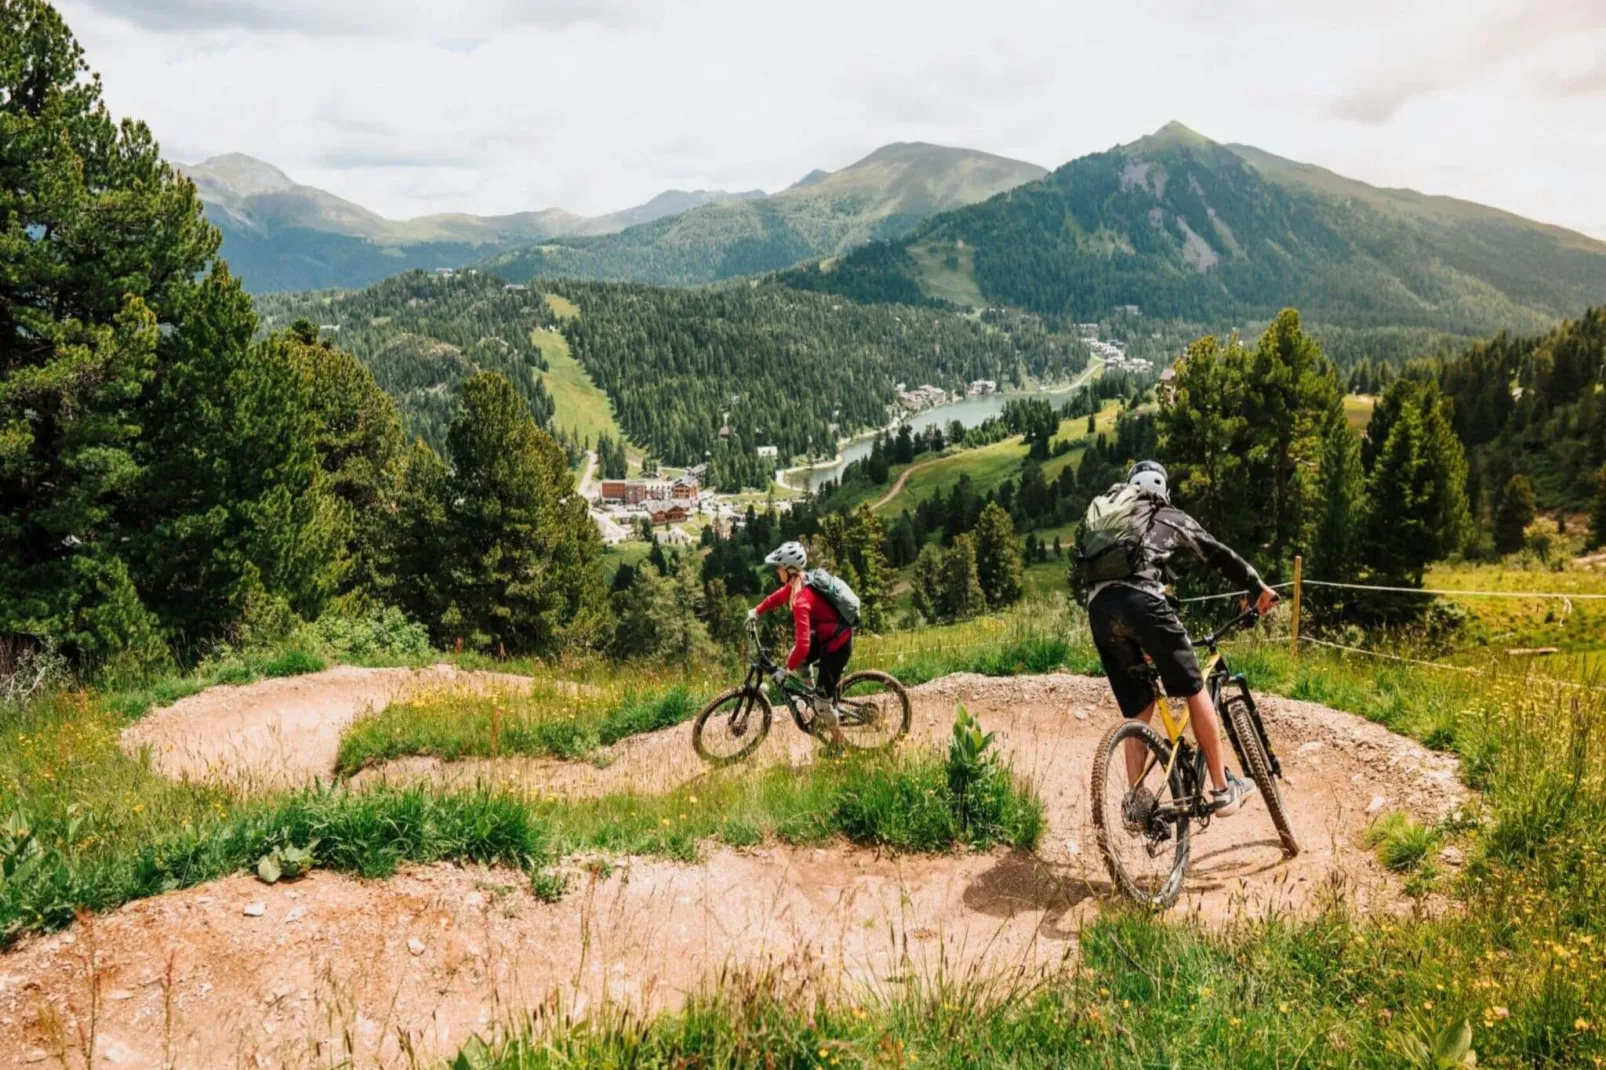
<point>562,307</point>
<point>1402,842</point>
<point>1358,411</point>
<point>1516,948</point>
<point>902,802</point>
<point>557,719</point>
<point>579,405</point>
<point>937,279</point>
<point>51,872</point>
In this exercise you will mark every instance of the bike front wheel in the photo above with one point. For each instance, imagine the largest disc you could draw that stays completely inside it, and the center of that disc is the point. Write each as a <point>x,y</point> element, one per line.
<point>732,726</point>
<point>874,710</point>
<point>1142,824</point>
<point>1258,766</point>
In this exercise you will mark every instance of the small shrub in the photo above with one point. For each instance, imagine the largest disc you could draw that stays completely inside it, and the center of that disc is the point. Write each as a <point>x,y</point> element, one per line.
<point>382,633</point>
<point>1402,842</point>
<point>291,663</point>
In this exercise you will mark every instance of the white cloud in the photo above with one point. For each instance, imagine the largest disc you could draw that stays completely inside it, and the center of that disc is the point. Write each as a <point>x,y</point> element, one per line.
<point>412,106</point>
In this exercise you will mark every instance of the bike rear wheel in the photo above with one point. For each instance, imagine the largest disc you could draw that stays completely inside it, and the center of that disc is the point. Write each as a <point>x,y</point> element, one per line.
<point>1258,766</point>
<point>732,726</point>
<point>1143,828</point>
<point>874,710</point>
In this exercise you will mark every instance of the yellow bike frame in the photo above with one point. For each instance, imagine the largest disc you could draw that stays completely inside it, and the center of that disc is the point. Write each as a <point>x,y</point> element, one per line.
<point>1174,727</point>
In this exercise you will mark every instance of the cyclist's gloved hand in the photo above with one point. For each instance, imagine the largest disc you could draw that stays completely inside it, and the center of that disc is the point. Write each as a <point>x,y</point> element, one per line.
<point>752,615</point>
<point>779,676</point>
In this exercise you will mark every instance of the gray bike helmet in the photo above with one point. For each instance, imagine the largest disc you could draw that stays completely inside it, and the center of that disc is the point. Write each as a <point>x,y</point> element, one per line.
<point>1149,476</point>
<point>788,555</point>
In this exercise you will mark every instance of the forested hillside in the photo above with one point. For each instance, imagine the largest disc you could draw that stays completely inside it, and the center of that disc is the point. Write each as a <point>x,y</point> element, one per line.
<point>172,479</point>
<point>777,367</point>
<point>1531,407</point>
<point>423,335</point>
<point>780,368</point>
<point>1190,230</point>
<point>883,195</point>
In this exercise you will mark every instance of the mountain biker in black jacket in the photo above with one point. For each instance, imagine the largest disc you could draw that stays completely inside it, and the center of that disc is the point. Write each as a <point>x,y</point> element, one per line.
<point>1130,617</point>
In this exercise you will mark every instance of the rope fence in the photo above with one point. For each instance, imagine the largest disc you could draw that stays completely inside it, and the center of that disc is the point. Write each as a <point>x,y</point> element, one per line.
<point>892,650</point>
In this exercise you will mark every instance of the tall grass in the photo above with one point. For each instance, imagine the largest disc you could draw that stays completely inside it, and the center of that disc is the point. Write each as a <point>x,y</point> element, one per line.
<point>557,719</point>
<point>48,876</point>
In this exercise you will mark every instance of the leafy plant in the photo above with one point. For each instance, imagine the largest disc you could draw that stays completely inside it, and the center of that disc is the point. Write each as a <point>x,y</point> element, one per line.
<point>285,863</point>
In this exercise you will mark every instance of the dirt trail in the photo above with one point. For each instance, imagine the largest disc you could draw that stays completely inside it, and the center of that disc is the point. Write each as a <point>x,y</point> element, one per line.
<point>897,488</point>
<point>443,951</point>
<point>284,732</point>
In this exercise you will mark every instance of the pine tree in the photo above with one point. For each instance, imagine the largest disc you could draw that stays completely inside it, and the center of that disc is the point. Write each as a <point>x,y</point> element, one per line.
<point>998,559</point>
<point>1513,513</point>
<point>962,596</point>
<point>1597,515</point>
<point>521,552</point>
<point>926,584</point>
<point>1416,496</point>
<point>158,478</point>
<point>1335,546</point>
<point>1243,434</point>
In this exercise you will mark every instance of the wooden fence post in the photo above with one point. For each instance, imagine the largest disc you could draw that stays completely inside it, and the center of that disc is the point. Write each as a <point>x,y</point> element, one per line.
<point>1293,630</point>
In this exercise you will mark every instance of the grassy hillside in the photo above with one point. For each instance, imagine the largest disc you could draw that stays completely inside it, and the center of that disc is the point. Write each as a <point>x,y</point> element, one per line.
<point>579,406</point>
<point>883,195</point>
<point>1190,230</point>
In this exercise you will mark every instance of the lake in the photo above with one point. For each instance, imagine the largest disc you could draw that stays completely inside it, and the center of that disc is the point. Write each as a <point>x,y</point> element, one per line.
<point>970,411</point>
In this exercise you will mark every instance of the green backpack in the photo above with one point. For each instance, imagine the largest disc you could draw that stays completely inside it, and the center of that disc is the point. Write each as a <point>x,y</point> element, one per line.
<point>1110,546</point>
<point>837,592</point>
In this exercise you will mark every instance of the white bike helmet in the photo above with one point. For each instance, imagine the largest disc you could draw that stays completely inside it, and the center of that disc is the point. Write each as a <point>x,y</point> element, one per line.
<point>788,555</point>
<point>1149,476</point>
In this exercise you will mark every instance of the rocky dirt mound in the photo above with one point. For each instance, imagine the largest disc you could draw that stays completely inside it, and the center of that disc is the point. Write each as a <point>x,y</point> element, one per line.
<point>239,973</point>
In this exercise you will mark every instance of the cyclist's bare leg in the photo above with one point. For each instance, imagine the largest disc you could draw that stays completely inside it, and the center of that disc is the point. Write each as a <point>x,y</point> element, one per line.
<point>1137,753</point>
<point>1206,729</point>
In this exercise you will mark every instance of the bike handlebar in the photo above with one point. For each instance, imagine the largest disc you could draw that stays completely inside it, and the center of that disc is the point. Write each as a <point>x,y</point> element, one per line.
<point>1246,619</point>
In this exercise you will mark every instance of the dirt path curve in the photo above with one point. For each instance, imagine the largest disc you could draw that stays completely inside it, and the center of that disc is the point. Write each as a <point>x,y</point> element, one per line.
<point>897,488</point>
<point>332,962</point>
<point>284,732</point>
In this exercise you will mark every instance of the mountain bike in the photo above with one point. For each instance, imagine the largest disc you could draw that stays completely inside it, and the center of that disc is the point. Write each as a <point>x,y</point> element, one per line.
<point>872,708</point>
<point>1143,825</point>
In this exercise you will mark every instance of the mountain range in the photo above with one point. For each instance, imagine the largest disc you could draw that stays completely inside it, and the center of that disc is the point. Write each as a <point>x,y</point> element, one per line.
<point>884,195</point>
<point>282,235</point>
<point>1180,227</point>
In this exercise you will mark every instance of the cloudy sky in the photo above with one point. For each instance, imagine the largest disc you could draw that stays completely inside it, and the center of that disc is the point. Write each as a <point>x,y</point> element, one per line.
<point>487,106</point>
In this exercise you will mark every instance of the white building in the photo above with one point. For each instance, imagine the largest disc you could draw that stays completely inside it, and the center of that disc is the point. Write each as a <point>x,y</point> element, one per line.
<point>769,451</point>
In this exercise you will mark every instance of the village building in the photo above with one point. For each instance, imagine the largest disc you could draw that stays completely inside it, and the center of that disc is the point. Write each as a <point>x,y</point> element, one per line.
<point>668,512</point>
<point>635,491</point>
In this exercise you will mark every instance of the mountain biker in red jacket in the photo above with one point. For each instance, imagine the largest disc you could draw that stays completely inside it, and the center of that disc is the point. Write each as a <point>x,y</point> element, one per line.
<point>819,636</point>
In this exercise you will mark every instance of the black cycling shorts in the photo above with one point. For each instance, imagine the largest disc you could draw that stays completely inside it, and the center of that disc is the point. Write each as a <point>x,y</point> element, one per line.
<point>1128,623</point>
<point>831,664</point>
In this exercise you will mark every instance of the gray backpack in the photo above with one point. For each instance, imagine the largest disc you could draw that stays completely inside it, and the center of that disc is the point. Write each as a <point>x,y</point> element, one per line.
<point>837,592</point>
<point>1110,546</point>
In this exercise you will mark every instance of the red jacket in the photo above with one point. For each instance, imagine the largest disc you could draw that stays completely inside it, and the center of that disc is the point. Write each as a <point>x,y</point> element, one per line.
<point>812,615</point>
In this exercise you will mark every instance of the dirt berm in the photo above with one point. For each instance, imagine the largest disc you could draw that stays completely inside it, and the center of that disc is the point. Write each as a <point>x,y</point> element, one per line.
<point>332,965</point>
